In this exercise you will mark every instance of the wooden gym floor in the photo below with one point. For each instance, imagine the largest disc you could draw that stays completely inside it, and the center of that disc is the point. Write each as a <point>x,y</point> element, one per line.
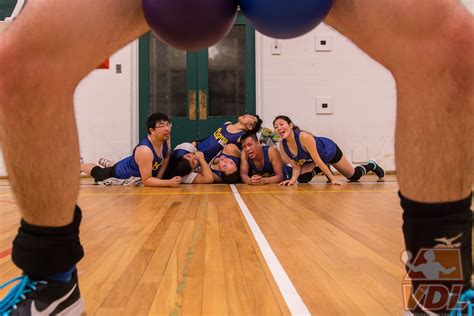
<point>204,249</point>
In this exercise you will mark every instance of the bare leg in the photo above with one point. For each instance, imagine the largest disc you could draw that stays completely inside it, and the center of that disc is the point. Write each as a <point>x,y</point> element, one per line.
<point>307,167</point>
<point>344,167</point>
<point>428,46</point>
<point>40,72</point>
<point>435,96</point>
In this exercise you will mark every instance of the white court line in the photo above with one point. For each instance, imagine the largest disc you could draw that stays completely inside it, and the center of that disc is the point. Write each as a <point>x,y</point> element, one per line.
<point>291,297</point>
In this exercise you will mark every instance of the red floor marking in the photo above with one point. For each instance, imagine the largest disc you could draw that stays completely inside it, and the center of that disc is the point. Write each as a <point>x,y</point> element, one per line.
<point>5,201</point>
<point>5,253</point>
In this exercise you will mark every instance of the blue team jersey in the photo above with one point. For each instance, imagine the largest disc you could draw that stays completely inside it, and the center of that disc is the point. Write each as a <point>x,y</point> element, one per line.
<point>128,167</point>
<point>326,149</point>
<point>215,143</point>
<point>234,159</point>
<point>267,168</point>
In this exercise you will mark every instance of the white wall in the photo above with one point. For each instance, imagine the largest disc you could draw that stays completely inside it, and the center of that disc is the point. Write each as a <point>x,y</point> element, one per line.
<point>362,91</point>
<point>106,105</point>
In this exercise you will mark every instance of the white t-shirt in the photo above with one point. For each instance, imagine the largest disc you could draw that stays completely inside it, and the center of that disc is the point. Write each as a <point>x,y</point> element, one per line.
<point>186,146</point>
<point>189,178</point>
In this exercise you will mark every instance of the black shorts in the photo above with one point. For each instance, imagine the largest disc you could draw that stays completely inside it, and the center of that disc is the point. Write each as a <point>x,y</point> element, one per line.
<point>100,174</point>
<point>337,156</point>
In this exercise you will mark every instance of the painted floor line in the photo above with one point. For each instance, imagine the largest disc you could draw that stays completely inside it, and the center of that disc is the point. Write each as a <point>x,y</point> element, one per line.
<point>228,192</point>
<point>5,253</point>
<point>288,291</point>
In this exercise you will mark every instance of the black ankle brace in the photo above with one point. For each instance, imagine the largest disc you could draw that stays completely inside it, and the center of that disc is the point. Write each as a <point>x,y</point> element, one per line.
<point>438,239</point>
<point>40,251</point>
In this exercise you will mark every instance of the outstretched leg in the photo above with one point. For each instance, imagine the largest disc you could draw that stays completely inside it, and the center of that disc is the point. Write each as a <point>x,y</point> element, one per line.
<point>43,56</point>
<point>428,47</point>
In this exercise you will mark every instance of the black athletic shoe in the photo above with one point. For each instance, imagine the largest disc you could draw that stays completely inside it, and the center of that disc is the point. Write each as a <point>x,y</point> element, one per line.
<point>377,169</point>
<point>40,298</point>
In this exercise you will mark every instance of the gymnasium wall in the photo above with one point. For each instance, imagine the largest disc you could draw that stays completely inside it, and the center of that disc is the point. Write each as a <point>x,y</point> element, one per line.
<point>291,75</point>
<point>362,92</point>
<point>106,105</point>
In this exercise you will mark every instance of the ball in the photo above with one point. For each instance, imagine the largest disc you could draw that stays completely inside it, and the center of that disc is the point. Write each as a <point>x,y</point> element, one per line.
<point>190,24</point>
<point>285,19</point>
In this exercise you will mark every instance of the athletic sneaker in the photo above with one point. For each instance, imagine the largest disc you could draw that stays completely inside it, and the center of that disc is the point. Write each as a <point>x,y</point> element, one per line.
<point>40,298</point>
<point>106,163</point>
<point>377,169</point>
<point>465,304</point>
<point>130,182</point>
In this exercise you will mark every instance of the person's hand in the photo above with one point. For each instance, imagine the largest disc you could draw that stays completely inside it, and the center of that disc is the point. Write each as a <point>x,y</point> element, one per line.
<point>256,180</point>
<point>288,182</point>
<point>335,182</point>
<point>199,154</point>
<point>175,181</point>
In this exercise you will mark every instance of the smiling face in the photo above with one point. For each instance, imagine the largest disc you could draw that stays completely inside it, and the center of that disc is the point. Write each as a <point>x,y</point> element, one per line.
<point>161,131</point>
<point>283,128</point>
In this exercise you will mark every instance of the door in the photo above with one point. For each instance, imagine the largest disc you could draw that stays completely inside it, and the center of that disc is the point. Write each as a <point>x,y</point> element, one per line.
<point>198,90</point>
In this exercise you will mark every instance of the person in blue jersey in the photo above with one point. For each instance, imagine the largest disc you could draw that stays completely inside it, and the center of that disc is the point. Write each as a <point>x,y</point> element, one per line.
<point>187,162</point>
<point>148,161</point>
<point>226,134</point>
<point>44,57</point>
<point>308,154</point>
<point>225,167</point>
<point>261,164</point>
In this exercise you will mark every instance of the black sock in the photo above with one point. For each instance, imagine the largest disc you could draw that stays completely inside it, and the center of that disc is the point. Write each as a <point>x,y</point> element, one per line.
<point>308,176</point>
<point>305,177</point>
<point>42,251</point>
<point>440,233</point>
<point>316,171</point>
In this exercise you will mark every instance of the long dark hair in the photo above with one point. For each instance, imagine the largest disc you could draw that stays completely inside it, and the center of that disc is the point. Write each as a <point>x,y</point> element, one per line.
<point>231,178</point>
<point>258,125</point>
<point>286,119</point>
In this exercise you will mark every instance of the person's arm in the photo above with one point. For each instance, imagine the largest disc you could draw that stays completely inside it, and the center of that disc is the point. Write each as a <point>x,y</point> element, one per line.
<point>412,267</point>
<point>446,270</point>
<point>309,144</point>
<point>205,174</point>
<point>144,159</point>
<point>232,150</point>
<point>244,169</point>
<point>166,162</point>
<point>296,169</point>
<point>216,178</point>
<point>275,160</point>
